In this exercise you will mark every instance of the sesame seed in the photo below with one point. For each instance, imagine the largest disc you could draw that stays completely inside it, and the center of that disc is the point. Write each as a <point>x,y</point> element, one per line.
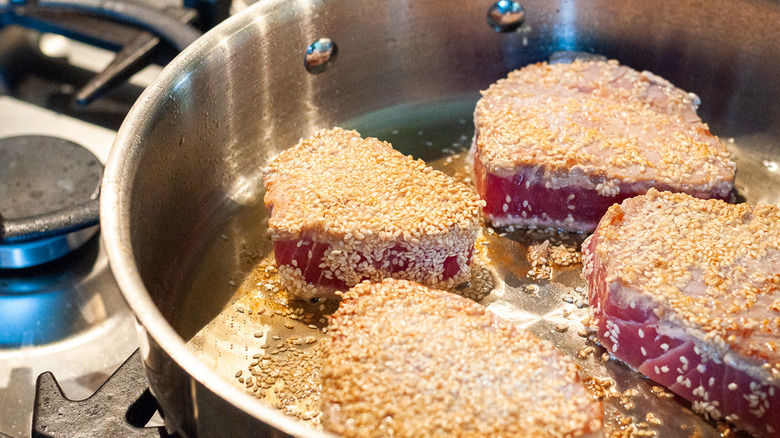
<point>652,419</point>
<point>537,118</point>
<point>396,211</point>
<point>699,269</point>
<point>476,353</point>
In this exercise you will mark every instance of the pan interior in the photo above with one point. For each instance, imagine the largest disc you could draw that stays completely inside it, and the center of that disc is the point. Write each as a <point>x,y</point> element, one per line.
<point>198,222</point>
<point>431,131</point>
<point>440,133</point>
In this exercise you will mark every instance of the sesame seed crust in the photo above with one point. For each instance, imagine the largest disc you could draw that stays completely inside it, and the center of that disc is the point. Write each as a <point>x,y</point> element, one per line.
<point>596,124</point>
<point>367,200</point>
<point>681,289</point>
<point>340,183</point>
<point>707,265</point>
<point>406,360</point>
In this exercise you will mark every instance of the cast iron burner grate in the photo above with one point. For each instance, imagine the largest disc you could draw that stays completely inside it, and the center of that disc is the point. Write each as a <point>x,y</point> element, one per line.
<point>139,34</point>
<point>121,407</point>
<point>48,198</point>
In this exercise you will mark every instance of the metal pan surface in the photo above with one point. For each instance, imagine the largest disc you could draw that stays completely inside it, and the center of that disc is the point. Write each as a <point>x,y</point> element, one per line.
<point>270,345</point>
<point>182,210</point>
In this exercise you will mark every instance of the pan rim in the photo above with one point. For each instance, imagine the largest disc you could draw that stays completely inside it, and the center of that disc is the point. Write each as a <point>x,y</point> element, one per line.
<point>116,191</point>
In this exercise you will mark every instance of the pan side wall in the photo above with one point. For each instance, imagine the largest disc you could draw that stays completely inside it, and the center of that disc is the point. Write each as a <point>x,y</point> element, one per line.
<point>225,108</point>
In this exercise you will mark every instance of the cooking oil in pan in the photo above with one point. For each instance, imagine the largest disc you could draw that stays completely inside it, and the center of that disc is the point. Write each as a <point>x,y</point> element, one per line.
<point>272,346</point>
<point>428,131</point>
<point>758,177</point>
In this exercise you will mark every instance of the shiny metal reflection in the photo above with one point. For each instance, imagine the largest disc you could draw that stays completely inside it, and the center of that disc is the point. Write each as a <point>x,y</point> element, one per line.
<point>37,252</point>
<point>319,54</point>
<point>66,317</point>
<point>239,107</point>
<point>505,15</point>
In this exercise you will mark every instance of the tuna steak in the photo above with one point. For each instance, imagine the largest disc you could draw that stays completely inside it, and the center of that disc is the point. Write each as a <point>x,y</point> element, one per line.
<point>556,144</point>
<point>409,361</point>
<point>345,209</point>
<point>687,292</point>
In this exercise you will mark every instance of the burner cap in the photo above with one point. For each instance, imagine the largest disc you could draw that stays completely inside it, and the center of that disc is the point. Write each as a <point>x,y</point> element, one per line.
<point>49,191</point>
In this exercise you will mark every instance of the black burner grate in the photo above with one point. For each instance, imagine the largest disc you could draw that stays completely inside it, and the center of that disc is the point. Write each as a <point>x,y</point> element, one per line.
<point>48,196</point>
<point>42,174</point>
<point>121,407</point>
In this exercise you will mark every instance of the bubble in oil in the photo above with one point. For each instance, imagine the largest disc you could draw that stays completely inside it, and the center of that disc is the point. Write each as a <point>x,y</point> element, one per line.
<point>319,55</point>
<point>695,100</point>
<point>771,166</point>
<point>505,15</point>
<point>569,56</point>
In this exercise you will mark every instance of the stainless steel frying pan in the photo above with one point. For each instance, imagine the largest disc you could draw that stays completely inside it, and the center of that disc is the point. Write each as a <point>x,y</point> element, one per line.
<point>182,213</point>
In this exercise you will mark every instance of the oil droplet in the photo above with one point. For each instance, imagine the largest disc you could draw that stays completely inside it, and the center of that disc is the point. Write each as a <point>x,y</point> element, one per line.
<point>319,54</point>
<point>695,100</point>
<point>569,56</point>
<point>505,15</point>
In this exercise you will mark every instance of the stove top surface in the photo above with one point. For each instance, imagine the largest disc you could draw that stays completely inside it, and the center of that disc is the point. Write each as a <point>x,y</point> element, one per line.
<point>64,325</point>
<point>66,316</point>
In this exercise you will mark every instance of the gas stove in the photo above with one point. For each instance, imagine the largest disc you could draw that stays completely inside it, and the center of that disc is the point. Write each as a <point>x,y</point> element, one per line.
<point>68,76</point>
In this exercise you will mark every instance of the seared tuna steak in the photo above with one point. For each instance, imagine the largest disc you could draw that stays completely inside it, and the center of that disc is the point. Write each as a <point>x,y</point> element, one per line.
<point>556,144</point>
<point>409,361</point>
<point>345,209</point>
<point>687,291</point>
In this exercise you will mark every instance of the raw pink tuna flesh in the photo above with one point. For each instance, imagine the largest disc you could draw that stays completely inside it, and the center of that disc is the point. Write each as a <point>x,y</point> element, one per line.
<point>557,144</point>
<point>571,208</point>
<point>308,256</point>
<point>721,389</point>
